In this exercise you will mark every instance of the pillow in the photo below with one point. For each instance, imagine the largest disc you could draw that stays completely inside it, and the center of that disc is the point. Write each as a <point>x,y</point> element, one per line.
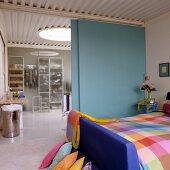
<point>78,164</point>
<point>50,156</point>
<point>67,162</point>
<point>160,105</point>
<point>88,166</point>
<point>62,153</point>
<point>166,107</point>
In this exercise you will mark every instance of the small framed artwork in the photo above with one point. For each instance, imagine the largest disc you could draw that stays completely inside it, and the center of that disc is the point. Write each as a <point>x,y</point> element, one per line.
<point>164,70</point>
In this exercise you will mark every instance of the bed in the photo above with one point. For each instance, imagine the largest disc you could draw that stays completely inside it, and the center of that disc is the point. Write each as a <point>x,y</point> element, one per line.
<point>139,142</point>
<point>107,150</point>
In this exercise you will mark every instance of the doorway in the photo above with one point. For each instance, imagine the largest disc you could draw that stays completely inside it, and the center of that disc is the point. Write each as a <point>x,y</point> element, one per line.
<point>46,76</point>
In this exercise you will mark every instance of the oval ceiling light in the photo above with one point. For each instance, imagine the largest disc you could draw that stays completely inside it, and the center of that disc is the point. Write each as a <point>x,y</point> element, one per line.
<point>44,53</point>
<point>56,34</point>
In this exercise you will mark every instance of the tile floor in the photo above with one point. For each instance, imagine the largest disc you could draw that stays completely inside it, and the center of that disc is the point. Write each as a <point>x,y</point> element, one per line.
<point>41,132</point>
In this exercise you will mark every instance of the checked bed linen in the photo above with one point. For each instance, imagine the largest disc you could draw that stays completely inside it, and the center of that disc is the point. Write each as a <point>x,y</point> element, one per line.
<point>151,135</point>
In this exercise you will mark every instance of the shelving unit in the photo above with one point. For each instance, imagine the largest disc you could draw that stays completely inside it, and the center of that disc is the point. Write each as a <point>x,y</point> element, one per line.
<point>15,69</point>
<point>14,82</point>
<point>16,74</point>
<point>56,82</point>
<point>43,64</point>
<point>50,82</point>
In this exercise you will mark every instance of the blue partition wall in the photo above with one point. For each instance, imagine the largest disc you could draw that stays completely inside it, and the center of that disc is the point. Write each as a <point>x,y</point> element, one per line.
<point>108,65</point>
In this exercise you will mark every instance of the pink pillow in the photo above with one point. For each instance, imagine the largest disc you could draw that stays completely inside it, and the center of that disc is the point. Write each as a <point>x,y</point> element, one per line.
<point>50,156</point>
<point>166,107</point>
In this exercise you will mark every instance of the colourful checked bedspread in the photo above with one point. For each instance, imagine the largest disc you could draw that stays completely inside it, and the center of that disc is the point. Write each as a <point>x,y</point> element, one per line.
<point>151,135</point>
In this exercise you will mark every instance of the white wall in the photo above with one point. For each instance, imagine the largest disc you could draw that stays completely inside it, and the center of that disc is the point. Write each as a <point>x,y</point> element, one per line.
<point>158,51</point>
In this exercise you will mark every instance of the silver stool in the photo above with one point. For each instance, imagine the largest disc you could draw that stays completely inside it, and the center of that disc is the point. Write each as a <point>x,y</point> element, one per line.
<point>10,123</point>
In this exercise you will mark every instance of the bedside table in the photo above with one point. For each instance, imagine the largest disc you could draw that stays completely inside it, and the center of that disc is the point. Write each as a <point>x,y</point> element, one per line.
<point>147,107</point>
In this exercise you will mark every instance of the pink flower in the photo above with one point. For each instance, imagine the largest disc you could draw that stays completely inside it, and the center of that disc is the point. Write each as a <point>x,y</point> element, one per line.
<point>148,86</point>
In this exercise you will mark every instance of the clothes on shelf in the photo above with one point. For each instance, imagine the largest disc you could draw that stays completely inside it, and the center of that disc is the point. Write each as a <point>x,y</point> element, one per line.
<point>31,76</point>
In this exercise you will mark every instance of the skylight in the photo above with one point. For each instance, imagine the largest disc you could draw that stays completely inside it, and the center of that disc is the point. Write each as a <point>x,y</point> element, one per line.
<point>56,34</point>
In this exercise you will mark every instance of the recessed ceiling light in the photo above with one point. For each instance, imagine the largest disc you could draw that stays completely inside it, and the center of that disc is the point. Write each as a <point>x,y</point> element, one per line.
<point>44,53</point>
<point>56,34</point>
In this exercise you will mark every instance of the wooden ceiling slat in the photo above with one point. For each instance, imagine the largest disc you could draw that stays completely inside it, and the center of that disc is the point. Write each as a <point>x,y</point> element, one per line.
<point>122,8</point>
<point>47,4</point>
<point>39,25</point>
<point>22,2</point>
<point>15,2</point>
<point>14,26</point>
<point>125,11</point>
<point>99,7</point>
<point>3,26</point>
<point>22,25</point>
<point>31,3</point>
<point>142,5</point>
<point>106,6</point>
<point>10,27</point>
<point>113,8</point>
<point>148,15</point>
<point>91,6</point>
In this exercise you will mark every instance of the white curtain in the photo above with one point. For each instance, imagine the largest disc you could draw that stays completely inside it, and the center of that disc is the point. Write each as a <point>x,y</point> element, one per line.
<point>2,77</point>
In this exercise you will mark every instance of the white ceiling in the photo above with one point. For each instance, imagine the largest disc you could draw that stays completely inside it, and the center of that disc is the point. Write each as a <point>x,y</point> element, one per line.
<point>23,18</point>
<point>22,28</point>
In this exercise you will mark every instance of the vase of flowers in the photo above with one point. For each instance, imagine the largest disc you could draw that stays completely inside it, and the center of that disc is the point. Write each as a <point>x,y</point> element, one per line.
<point>149,87</point>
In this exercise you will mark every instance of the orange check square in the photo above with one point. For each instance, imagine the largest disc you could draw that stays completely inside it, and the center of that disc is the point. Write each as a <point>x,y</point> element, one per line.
<point>146,141</point>
<point>137,136</point>
<point>138,145</point>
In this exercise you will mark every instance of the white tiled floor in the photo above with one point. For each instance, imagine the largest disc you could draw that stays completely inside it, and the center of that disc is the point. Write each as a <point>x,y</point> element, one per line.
<point>41,132</point>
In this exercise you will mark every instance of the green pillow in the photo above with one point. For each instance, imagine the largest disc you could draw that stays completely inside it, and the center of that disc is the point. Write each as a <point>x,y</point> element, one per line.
<point>62,153</point>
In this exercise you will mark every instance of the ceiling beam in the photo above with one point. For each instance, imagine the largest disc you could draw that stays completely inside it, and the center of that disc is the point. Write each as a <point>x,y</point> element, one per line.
<point>38,46</point>
<point>71,15</point>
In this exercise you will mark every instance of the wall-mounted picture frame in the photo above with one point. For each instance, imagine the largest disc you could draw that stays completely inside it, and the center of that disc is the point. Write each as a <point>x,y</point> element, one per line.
<point>164,70</point>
